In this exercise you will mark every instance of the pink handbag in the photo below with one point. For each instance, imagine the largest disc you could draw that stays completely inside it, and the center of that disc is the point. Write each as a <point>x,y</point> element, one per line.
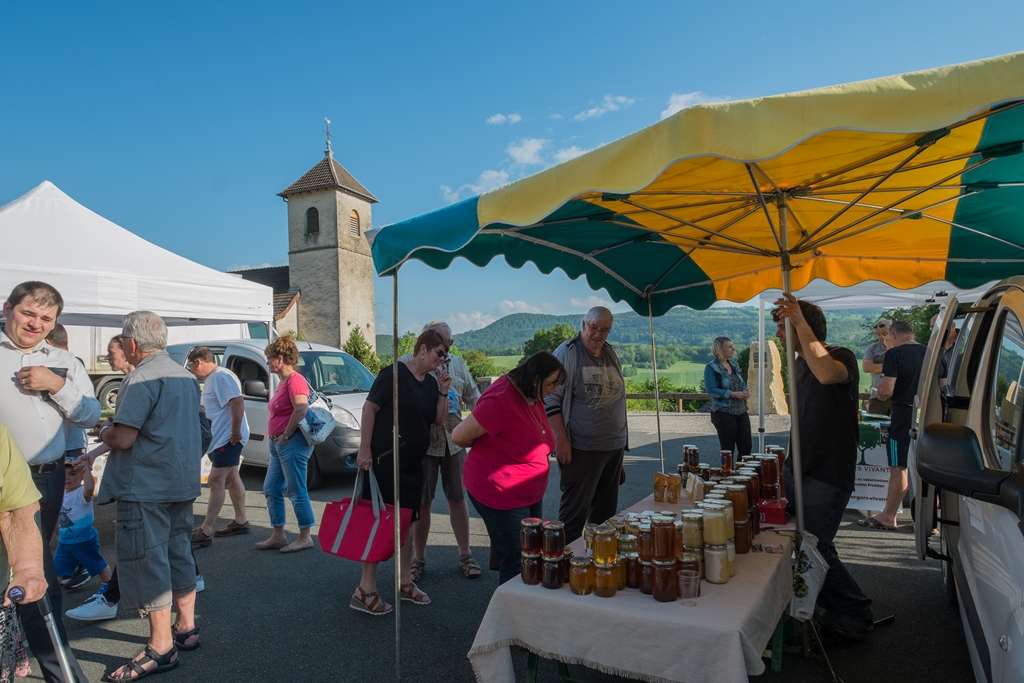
<point>362,530</point>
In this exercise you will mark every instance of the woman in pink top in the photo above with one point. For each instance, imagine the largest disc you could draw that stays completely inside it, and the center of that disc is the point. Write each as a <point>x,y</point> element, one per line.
<point>506,472</point>
<point>289,450</point>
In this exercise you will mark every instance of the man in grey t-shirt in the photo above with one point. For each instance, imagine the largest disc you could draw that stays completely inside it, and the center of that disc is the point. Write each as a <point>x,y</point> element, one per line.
<point>588,419</point>
<point>152,474</point>
<point>872,365</point>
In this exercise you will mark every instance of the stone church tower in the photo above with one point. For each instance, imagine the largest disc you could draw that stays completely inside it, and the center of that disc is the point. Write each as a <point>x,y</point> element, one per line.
<point>328,255</point>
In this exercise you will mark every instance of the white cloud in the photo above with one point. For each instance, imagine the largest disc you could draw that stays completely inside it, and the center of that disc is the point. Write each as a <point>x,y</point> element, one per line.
<point>568,153</point>
<point>589,302</point>
<point>506,307</point>
<point>527,151</point>
<point>679,101</point>
<point>500,119</point>
<point>488,180</point>
<point>608,104</point>
<point>460,322</point>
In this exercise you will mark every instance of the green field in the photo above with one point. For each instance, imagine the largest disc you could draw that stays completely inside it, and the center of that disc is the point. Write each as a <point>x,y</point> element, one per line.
<point>681,373</point>
<point>505,362</point>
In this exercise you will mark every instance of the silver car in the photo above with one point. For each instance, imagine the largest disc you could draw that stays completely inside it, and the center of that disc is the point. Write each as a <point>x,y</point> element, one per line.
<point>328,370</point>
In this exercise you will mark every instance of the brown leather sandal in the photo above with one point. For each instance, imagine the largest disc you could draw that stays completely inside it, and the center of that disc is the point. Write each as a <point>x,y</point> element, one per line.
<point>370,603</point>
<point>417,568</point>
<point>470,567</point>
<point>411,593</point>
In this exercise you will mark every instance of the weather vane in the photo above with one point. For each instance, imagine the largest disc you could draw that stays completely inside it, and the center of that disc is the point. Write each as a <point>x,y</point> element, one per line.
<point>327,130</point>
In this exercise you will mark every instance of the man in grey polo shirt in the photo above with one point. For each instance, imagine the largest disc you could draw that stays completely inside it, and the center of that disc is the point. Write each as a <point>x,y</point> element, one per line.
<point>153,475</point>
<point>41,386</point>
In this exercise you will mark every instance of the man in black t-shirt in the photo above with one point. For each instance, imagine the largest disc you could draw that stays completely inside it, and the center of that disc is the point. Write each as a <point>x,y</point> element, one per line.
<point>827,386</point>
<point>901,373</point>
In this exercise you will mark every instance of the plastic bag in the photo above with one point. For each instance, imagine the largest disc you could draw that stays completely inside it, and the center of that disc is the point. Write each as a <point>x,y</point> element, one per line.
<point>809,569</point>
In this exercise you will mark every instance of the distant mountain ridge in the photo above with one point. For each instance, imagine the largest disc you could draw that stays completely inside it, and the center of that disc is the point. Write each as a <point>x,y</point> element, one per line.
<point>506,336</point>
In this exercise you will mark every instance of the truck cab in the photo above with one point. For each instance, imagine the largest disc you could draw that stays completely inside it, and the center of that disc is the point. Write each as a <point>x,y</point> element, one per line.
<point>328,370</point>
<point>967,473</point>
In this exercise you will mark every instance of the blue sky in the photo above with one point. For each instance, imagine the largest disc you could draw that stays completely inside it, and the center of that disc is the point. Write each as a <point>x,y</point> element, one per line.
<point>182,121</point>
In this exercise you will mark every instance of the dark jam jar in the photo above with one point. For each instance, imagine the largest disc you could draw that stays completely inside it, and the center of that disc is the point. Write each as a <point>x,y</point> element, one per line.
<point>530,535</point>
<point>554,539</point>
<point>664,585</point>
<point>632,570</point>
<point>646,577</point>
<point>551,572</point>
<point>530,571</point>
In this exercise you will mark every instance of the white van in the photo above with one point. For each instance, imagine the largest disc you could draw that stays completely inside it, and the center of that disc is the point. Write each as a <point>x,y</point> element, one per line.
<point>328,370</point>
<point>967,474</point>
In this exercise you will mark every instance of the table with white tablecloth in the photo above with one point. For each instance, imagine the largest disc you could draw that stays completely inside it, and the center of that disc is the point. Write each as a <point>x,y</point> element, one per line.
<point>718,637</point>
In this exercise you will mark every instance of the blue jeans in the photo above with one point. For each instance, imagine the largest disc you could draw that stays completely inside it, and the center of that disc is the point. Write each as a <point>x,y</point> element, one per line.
<point>503,528</point>
<point>286,476</point>
<point>823,512</point>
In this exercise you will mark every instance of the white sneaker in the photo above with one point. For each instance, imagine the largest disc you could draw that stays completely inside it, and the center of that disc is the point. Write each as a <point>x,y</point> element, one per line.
<point>200,584</point>
<point>96,608</point>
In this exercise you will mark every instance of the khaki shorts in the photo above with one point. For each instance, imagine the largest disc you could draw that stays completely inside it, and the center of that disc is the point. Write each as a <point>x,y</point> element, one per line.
<point>450,469</point>
<point>154,553</point>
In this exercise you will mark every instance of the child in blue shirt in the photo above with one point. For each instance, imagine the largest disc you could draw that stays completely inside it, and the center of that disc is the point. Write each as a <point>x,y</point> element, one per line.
<point>77,540</point>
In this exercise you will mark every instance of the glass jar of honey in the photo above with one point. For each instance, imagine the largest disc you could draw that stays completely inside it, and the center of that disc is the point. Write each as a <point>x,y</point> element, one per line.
<point>605,546</point>
<point>627,543</point>
<point>530,569</point>
<point>737,495</point>
<point>581,579</point>
<point>699,552</point>
<point>664,586</point>
<point>664,537</point>
<point>726,462</point>
<point>688,561</point>
<point>606,579</point>
<point>551,572</point>
<point>693,530</point>
<point>620,562</point>
<point>632,570</point>
<point>742,538</point>
<point>554,539</point>
<point>770,465</point>
<point>755,522</point>
<point>588,535</point>
<point>645,542</point>
<point>646,577</point>
<point>714,525</point>
<point>730,556</point>
<point>704,471</point>
<point>716,563</point>
<point>566,562</point>
<point>530,535</point>
<point>730,517</point>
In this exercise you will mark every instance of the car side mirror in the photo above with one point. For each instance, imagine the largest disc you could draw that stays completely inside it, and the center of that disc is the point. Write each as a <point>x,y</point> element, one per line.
<point>949,457</point>
<point>256,388</point>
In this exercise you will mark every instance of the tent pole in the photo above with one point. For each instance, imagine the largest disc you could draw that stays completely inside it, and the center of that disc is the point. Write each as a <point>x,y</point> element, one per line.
<point>794,412</point>
<point>394,457</point>
<point>654,372</point>
<point>760,374</point>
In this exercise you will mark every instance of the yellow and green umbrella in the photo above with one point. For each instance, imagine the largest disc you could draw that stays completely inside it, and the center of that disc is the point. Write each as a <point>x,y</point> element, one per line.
<point>904,180</point>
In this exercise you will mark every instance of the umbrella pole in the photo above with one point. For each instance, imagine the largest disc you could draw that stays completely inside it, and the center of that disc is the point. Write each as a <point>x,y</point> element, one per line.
<point>794,412</point>
<point>654,373</point>
<point>394,452</point>
<point>760,375</point>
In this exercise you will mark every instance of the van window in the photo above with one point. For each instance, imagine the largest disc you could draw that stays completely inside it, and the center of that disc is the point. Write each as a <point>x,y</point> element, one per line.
<point>334,372</point>
<point>247,369</point>
<point>1007,394</point>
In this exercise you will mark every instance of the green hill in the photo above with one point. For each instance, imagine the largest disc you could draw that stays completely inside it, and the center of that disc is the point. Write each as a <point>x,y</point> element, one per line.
<point>505,337</point>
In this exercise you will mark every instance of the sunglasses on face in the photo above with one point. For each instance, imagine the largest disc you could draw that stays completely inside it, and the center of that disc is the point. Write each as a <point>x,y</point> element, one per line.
<point>441,354</point>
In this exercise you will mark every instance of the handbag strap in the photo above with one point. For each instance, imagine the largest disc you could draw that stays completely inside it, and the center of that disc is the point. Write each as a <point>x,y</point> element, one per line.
<point>376,502</point>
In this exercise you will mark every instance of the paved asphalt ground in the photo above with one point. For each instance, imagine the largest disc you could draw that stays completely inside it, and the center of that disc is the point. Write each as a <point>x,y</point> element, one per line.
<point>266,616</point>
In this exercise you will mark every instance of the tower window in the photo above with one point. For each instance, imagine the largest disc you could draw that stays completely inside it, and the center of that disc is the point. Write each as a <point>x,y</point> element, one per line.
<point>312,221</point>
<point>353,224</point>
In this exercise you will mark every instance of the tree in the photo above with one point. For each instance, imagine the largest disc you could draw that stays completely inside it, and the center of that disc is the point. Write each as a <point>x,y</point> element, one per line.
<point>547,340</point>
<point>919,317</point>
<point>360,349</point>
<point>480,365</point>
<point>406,344</point>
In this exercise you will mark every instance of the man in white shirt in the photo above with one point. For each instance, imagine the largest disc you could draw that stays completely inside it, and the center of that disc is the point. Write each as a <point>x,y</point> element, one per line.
<point>222,400</point>
<point>41,386</point>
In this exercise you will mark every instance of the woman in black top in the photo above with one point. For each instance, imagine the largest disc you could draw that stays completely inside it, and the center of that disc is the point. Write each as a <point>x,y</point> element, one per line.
<point>422,401</point>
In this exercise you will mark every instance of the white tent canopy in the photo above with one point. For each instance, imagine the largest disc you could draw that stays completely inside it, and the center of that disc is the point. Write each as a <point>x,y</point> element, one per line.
<point>876,295</point>
<point>104,271</point>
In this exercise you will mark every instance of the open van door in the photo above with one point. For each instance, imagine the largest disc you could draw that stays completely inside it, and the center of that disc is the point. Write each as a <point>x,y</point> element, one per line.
<point>928,408</point>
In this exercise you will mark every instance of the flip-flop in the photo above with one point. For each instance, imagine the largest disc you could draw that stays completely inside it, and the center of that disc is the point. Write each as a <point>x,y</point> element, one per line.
<point>872,523</point>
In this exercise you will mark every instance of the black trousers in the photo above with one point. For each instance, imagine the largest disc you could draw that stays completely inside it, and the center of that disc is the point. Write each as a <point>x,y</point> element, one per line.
<point>51,487</point>
<point>733,431</point>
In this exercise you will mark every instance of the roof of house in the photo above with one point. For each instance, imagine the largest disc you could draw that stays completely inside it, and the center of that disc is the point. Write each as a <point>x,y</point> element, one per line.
<point>275,277</point>
<point>325,175</point>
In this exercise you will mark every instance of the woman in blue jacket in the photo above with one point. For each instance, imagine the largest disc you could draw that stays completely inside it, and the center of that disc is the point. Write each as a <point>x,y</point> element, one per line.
<point>729,396</point>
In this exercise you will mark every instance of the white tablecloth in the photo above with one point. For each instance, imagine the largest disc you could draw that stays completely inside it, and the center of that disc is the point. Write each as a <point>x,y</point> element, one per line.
<point>719,638</point>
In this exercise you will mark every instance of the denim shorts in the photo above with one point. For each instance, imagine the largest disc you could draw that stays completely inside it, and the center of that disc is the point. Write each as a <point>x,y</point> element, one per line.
<point>227,455</point>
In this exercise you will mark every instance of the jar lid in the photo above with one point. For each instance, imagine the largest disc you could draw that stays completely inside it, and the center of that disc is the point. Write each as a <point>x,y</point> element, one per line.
<point>568,552</point>
<point>742,521</point>
<point>693,516</point>
<point>644,527</point>
<point>645,563</point>
<point>532,521</point>
<point>678,523</point>
<point>551,558</point>
<point>632,556</point>
<point>704,465</point>
<point>613,563</point>
<point>604,529</point>
<point>688,556</point>
<point>531,556</point>
<point>664,563</point>
<point>715,547</point>
<point>552,524</point>
<point>696,551</point>
<point>580,561</point>
<point>626,538</point>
